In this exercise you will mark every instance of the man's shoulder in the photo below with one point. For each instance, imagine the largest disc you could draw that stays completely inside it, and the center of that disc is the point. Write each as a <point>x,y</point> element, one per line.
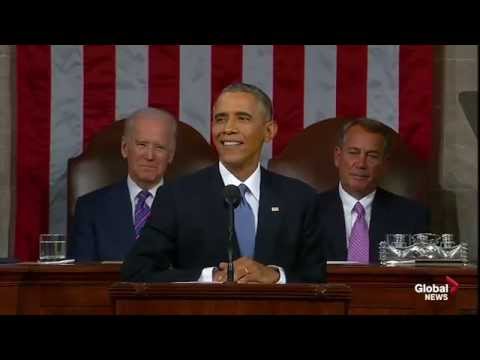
<point>399,201</point>
<point>104,193</point>
<point>289,184</point>
<point>195,178</point>
<point>186,185</point>
<point>328,195</point>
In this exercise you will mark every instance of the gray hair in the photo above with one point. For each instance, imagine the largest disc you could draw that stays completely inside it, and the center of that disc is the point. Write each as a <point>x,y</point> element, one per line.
<point>371,126</point>
<point>150,112</point>
<point>259,94</point>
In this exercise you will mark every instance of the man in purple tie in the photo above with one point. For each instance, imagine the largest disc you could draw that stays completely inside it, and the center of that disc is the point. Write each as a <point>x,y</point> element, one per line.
<point>357,214</point>
<point>108,221</point>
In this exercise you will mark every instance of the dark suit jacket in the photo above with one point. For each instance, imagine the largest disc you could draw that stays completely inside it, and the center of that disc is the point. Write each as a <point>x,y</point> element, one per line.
<point>103,225</point>
<point>187,230</point>
<point>390,214</point>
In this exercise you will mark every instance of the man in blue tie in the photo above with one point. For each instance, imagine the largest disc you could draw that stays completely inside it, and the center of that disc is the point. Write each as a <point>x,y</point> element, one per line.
<point>277,239</point>
<point>356,215</point>
<point>108,221</point>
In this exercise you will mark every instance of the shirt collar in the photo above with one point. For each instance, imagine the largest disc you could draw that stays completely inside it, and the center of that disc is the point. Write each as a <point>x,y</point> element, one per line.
<point>134,189</point>
<point>253,181</point>
<point>349,201</point>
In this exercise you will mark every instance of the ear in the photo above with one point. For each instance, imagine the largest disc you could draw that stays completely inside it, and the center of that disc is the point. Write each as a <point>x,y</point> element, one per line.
<point>336,156</point>
<point>123,148</point>
<point>271,129</point>
<point>171,155</point>
<point>386,164</point>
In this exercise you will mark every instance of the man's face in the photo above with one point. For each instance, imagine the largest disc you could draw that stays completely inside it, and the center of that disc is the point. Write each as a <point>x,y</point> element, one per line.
<point>239,129</point>
<point>360,161</point>
<point>148,148</point>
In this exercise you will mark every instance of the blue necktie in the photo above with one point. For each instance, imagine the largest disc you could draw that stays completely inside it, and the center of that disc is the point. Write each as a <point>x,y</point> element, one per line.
<point>142,211</point>
<point>245,225</point>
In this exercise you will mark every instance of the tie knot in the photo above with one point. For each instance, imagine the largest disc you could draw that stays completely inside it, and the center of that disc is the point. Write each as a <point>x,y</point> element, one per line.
<point>243,189</point>
<point>143,195</point>
<point>359,209</point>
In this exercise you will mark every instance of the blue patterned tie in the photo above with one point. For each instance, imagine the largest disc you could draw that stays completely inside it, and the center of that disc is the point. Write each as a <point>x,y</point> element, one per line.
<point>142,211</point>
<point>245,225</point>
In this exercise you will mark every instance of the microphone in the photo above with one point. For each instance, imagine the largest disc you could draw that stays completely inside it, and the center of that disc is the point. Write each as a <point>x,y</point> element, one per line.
<point>232,197</point>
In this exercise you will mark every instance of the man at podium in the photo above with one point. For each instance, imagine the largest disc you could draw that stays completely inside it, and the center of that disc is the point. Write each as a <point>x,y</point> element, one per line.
<point>277,238</point>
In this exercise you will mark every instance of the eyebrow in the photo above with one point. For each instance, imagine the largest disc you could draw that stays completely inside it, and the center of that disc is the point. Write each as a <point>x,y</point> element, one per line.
<point>367,151</point>
<point>243,113</point>
<point>238,113</point>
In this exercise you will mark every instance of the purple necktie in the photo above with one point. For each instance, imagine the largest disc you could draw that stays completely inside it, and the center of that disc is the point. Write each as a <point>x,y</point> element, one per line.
<point>358,246</point>
<point>142,211</point>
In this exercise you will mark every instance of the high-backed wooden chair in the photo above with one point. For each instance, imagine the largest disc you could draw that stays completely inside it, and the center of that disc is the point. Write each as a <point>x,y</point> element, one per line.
<point>310,157</point>
<point>101,164</point>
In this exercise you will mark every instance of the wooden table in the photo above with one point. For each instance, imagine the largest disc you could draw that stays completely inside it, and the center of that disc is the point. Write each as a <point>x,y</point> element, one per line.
<point>84,288</point>
<point>57,289</point>
<point>391,290</point>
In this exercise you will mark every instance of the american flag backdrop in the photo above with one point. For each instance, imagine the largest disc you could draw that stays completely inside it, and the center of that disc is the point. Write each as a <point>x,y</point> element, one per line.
<point>66,94</point>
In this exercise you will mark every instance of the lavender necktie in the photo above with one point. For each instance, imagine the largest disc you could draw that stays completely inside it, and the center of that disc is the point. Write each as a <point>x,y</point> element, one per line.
<point>245,225</point>
<point>142,211</point>
<point>358,245</point>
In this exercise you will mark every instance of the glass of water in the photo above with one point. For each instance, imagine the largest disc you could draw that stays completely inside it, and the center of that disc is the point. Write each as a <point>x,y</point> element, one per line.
<point>52,247</point>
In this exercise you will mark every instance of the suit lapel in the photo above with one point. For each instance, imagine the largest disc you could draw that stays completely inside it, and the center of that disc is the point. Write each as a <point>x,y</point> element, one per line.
<point>336,224</point>
<point>269,221</point>
<point>122,208</point>
<point>378,223</point>
<point>218,210</point>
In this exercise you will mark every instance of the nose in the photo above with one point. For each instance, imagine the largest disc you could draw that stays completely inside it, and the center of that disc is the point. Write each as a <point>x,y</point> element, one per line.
<point>230,126</point>
<point>150,152</point>
<point>362,161</point>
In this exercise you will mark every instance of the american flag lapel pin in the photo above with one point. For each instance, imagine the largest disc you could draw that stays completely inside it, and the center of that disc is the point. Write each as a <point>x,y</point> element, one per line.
<point>275,209</point>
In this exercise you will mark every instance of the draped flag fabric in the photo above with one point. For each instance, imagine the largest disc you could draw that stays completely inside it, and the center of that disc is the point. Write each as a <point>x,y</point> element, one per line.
<point>66,94</point>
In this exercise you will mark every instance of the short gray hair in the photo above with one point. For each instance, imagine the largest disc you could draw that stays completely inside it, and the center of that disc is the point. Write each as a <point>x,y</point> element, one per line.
<point>154,113</point>
<point>259,94</point>
<point>369,125</point>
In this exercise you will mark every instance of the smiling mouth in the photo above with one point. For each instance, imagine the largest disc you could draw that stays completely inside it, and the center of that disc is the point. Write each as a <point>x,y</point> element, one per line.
<point>231,143</point>
<point>362,177</point>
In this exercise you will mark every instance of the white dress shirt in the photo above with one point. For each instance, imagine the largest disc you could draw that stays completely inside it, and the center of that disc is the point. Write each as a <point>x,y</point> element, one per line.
<point>348,202</point>
<point>134,190</point>
<point>253,198</point>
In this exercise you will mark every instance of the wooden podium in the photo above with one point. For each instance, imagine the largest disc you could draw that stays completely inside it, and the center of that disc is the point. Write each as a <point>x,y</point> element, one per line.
<point>230,299</point>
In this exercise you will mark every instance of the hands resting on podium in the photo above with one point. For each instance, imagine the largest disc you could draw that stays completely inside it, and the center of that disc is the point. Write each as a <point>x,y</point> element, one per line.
<point>247,271</point>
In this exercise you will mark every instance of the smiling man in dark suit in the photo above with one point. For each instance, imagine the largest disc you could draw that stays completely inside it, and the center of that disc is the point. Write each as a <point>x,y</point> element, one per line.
<point>109,220</point>
<point>277,234</point>
<point>356,215</point>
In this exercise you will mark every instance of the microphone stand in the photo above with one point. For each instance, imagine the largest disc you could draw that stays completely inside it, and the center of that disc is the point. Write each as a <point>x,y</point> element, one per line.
<point>230,269</point>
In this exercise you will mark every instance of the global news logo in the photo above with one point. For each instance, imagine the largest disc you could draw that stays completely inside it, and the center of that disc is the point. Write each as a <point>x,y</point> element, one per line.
<point>435,292</point>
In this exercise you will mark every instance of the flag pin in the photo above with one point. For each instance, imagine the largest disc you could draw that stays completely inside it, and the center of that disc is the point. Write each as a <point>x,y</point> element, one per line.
<point>275,208</point>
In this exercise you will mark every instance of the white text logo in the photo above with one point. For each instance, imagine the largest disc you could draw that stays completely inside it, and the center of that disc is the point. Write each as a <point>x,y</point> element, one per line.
<point>436,292</point>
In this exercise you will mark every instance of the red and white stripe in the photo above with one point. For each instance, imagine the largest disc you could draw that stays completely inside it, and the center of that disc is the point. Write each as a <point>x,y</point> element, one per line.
<point>66,94</point>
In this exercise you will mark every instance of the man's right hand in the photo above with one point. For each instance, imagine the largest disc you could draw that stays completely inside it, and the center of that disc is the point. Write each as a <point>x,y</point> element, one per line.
<point>219,275</point>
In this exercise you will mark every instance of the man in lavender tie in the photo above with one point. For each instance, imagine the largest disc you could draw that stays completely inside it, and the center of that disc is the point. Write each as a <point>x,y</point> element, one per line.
<point>109,221</point>
<point>356,215</point>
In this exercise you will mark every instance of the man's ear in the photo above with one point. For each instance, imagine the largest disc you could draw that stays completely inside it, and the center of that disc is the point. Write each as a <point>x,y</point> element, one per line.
<point>171,154</point>
<point>272,129</point>
<point>336,155</point>
<point>123,147</point>
<point>387,163</point>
